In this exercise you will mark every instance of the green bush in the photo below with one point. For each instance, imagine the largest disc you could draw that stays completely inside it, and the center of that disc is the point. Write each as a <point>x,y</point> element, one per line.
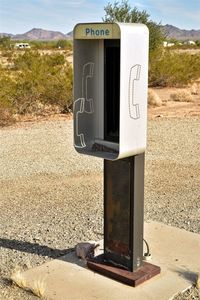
<point>50,45</point>
<point>6,114</point>
<point>42,79</point>
<point>7,88</point>
<point>5,42</point>
<point>64,44</point>
<point>170,68</point>
<point>35,82</point>
<point>7,94</point>
<point>123,12</point>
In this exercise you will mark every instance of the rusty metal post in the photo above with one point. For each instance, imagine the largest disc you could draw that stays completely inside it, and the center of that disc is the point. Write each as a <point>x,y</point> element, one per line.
<point>123,223</point>
<point>123,211</point>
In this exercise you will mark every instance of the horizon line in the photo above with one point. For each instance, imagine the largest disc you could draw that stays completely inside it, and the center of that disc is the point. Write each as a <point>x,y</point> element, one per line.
<point>39,28</point>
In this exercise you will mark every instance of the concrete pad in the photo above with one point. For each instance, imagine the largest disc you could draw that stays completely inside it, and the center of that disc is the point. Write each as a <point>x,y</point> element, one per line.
<point>176,251</point>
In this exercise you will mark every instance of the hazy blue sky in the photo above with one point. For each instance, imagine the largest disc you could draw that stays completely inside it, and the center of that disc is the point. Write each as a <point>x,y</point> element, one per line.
<point>22,15</point>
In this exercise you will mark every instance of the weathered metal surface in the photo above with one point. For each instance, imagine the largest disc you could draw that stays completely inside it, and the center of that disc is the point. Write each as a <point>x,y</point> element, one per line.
<point>123,215</point>
<point>142,274</point>
<point>137,210</point>
<point>117,212</point>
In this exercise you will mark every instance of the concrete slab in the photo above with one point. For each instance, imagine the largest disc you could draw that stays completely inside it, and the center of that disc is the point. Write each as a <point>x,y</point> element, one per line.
<point>176,251</point>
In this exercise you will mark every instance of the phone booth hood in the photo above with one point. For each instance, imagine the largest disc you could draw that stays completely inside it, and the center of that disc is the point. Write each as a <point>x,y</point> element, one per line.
<point>110,89</point>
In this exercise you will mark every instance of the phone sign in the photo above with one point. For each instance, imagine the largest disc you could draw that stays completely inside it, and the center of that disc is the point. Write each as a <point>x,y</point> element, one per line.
<point>89,31</point>
<point>96,31</point>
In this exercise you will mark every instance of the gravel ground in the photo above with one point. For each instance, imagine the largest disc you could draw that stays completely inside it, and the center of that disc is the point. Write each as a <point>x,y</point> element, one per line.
<point>51,197</point>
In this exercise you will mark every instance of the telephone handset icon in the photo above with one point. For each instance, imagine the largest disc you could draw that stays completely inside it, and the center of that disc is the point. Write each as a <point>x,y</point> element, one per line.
<point>88,70</point>
<point>134,109</point>
<point>79,140</point>
<point>83,104</point>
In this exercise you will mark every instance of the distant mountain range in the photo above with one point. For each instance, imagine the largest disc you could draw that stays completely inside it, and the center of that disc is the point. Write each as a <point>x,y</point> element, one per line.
<point>44,35</point>
<point>39,34</point>
<point>173,32</point>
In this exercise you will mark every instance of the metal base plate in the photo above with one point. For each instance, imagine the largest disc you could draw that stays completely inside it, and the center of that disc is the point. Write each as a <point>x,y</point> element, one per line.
<point>145,272</point>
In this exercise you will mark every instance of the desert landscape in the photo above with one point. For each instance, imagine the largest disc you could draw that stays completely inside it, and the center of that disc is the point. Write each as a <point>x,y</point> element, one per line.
<point>43,181</point>
<point>45,205</point>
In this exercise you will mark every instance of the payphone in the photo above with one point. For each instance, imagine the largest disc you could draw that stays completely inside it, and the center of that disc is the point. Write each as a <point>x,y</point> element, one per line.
<point>110,121</point>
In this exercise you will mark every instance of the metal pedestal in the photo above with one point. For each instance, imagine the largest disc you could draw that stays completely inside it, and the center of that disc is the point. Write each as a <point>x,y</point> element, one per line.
<point>123,223</point>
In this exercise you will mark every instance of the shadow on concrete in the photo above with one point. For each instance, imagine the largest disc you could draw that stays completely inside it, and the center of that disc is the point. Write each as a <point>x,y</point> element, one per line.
<point>33,248</point>
<point>67,255</point>
<point>186,274</point>
<point>71,258</point>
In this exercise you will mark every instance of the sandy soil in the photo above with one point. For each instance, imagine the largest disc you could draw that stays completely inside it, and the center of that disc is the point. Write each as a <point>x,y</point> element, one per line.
<point>43,182</point>
<point>173,109</point>
<point>169,109</point>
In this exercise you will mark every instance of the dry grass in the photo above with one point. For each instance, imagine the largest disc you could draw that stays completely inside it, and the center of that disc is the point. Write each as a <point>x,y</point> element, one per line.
<point>181,96</point>
<point>153,98</point>
<point>198,282</point>
<point>6,117</point>
<point>195,89</point>
<point>18,278</point>
<point>39,288</point>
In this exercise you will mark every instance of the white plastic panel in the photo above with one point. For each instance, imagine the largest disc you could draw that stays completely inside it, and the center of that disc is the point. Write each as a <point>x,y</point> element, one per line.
<point>91,113</point>
<point>133,89</point>
<point>88,107</point>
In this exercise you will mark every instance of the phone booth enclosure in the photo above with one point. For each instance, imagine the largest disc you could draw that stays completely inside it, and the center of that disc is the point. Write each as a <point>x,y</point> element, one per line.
<point>110,89</point>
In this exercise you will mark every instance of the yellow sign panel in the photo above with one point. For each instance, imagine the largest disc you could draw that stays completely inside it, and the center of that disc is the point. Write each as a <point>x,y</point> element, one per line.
<point>97,31</point>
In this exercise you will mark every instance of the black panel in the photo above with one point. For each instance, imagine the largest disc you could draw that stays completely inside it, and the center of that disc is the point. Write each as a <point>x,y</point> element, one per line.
<point>117,227</point>
<point>123,211</point>
<point>111,89</point>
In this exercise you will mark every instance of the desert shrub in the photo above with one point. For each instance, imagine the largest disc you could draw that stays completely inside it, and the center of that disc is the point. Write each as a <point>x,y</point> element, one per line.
<point>7,94</point>
<point>195,89</point>
<point>153,98</point>
<point>58,90</point>
<point>42,79</point>
<point>6,114</point>
<point>5,42</point>
<point>168,68</point>
<point>7,53</point>
<point>181,96</point>
<point>50,45</point>
<point>34,84</point>
<point>64,44</point>
<point>7,88</point>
